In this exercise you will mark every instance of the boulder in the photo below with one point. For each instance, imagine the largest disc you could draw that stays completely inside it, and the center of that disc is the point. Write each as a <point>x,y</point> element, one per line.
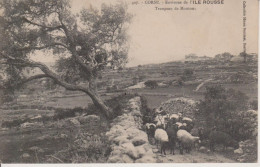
<point>88,119</point>
<point>25,156</point>
<point>74,122</point>
<point>130,150</point>
<point>115,159</point>
<point>127,159</point>
<point>203,149</point>
<point>238,151</point>
<point>140,139</point>
<point>36,149</point>
<point>140,151</point>
<point>31,125</point>
<point>146,159</point>
<point>120,140</point>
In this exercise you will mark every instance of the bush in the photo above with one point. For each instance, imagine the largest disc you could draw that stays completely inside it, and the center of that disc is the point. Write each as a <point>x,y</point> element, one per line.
<point>188,72</point>
<point>61,113</point>
<point>221,108</point>
<point>151,84</point>
<point>118,103</point>
<point>253,105</point>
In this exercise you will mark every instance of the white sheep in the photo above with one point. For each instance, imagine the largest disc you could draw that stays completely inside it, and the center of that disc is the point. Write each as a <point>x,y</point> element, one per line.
<point>187,119</point>
<point>174,116</point>
<point>148,125</point>
<point>186,140</point>
<point>161,137</point>
<point>179,124</point>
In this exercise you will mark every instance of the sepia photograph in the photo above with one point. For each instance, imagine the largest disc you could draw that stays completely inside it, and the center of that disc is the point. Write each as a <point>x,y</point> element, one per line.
<point>129,81</point>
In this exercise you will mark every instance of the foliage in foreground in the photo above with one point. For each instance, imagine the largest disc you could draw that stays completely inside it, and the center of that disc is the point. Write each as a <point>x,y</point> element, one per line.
<point>227,110</point>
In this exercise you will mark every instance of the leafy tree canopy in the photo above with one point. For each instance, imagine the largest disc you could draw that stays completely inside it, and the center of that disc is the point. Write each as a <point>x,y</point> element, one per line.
<point>84,43</point>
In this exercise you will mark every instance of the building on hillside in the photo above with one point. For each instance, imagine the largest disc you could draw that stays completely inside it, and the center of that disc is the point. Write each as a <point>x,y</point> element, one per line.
<point>223,57</point>
<point>196,58</point>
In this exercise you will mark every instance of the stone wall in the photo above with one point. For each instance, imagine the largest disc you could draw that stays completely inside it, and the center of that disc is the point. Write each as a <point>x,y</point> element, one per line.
<point>129,142</point>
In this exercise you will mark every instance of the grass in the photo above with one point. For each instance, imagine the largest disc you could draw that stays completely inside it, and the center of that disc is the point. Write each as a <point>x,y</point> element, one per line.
<point>16,141</point>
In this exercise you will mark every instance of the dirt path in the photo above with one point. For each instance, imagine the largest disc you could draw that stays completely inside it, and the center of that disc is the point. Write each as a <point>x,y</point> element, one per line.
<point>193,157</point>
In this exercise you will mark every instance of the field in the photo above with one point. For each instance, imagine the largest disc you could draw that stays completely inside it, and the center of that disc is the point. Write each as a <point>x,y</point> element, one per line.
<point>48,137</point>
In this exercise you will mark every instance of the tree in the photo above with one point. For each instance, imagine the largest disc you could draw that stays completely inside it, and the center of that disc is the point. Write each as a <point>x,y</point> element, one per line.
<point>84,43</point>
<point>187,74</point>
<point>220,108</point>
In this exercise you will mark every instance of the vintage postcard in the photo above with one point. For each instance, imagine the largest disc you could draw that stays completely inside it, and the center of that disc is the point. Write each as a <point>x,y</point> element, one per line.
<point>128,81</point>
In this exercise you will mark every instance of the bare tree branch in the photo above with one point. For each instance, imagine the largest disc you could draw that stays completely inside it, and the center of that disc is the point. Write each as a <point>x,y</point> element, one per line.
<point>43,26</point>
<point>42,47</point>
<point>31,78</point>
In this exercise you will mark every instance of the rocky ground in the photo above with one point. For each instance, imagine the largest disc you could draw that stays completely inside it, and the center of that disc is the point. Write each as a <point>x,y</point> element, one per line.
<point>193,157</point>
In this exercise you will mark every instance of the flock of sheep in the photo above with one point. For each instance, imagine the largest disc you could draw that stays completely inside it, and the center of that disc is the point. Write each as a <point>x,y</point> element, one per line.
<point>170,130</point>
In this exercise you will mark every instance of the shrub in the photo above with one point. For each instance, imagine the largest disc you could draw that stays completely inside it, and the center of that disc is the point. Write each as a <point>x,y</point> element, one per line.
<point>253,105</point>
<point>117,103</point>
<point>61,113</point>
<point>151,84</point>
<point>221,108</point>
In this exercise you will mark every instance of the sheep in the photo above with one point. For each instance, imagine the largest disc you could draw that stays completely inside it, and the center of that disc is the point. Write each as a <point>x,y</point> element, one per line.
<point>171,130</point>
<point>174,117</point>
<point>189,123</point>
<point>162,138</point>
<point>179,124</point>
<point>218,137</point>
<point>186,140</point>
<point>186,119</point>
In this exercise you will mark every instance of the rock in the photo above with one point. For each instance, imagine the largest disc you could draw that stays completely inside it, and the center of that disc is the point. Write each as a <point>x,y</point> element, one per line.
<point>88,119</point>
<point>130,150</point>
<point>44,137</point>
<point>63,136</point>
<point>140,151</point>
<point>136,113</point>
<point>25,156</point>
<point>241,160</point>
<point>146,159</point>
<point>74,122</point>
<point>127,159</point>
<point>115,159</point>
<point>129,141</point>
<point>238,151</point>
<point>120,140</point>
<point>116,152</point>
<point>31,125</point>
<point>37,117</point>
<point>203,149</point>
<point>34,148</point>
<point>132,132</point>
<point>140,139</point>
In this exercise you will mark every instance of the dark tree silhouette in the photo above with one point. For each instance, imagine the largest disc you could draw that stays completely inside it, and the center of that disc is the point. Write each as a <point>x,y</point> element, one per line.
<point>84,43</point>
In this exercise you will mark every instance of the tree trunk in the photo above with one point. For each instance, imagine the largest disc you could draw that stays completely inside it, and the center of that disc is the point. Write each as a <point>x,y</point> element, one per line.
<point>98,102</point>
<point>91,91</point>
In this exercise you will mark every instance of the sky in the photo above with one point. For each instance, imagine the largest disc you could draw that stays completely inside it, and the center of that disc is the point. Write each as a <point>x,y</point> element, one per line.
<point>158,36</point>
